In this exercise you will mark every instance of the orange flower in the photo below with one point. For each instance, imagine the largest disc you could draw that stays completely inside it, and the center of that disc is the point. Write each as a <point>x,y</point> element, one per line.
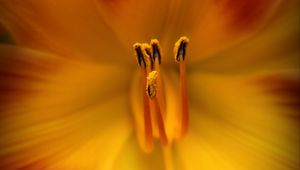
<point>72,96</point>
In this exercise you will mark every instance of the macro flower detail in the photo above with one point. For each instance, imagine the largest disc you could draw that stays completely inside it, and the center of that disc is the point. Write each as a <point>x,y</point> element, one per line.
<point>155,113</point>
<point>211,84</point>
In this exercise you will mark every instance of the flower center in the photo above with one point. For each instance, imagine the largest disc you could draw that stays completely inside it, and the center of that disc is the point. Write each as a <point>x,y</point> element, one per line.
<point>163,112</point>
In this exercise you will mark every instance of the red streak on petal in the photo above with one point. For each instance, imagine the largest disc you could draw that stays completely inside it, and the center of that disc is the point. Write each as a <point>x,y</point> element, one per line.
<point>18,74</point>
<point>245,14</point>
<point>37,165</point>
<point>283,86</point>
<point>287,89</point>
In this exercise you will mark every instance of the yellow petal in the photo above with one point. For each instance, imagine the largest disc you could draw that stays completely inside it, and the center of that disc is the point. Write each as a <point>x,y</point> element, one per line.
<point>69,28</point>
<point>108,140</point>
<point>243,121</point>
<point>131,157</point>
<point>54,109</point>
<point>214,25</point>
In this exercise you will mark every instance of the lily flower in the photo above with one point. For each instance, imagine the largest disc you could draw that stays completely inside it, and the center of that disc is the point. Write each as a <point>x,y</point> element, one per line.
<point>143,85</point>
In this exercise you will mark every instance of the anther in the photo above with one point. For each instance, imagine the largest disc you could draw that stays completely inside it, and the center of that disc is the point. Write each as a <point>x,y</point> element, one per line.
<point>139,54</point>
<point>156,51</point>
<point>180,49</point>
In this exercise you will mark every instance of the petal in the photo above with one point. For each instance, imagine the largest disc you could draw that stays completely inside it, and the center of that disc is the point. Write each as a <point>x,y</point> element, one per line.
<point>139,21</point>
<point>68,28</point>
<point>131,157</point>
<point>243,121</point>
<point>214,25</point>
<point>53,109</point>
<point>278,41</point>
<point>100,150</point>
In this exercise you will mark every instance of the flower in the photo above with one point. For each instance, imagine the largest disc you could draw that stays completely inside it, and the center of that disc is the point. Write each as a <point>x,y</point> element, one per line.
<point>71,96</point>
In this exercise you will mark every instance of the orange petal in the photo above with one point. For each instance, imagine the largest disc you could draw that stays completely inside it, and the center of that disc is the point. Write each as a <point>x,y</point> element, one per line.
<point>277,44</point>
<point>54,110</point>
<point>213,25</point>
<point>72,29</point>
<point>138,21</point>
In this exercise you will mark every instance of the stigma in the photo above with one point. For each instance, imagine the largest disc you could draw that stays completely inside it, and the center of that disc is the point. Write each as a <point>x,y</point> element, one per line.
<point>159,122</point>
<point>151,84</point>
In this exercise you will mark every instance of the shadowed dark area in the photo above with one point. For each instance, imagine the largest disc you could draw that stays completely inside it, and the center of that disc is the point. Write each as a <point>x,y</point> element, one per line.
<point>5,36</point>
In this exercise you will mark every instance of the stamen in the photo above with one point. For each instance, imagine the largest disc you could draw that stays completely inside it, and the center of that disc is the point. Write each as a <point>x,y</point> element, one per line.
<point>156,51</point>
<point>151,90</point>
<point>147,115</point>
<point>180,52</point>
<point>156,57</point>
<point>149,58</point>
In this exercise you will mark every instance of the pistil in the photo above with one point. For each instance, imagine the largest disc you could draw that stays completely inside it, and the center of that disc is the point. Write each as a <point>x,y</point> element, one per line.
<point>151,90</point>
